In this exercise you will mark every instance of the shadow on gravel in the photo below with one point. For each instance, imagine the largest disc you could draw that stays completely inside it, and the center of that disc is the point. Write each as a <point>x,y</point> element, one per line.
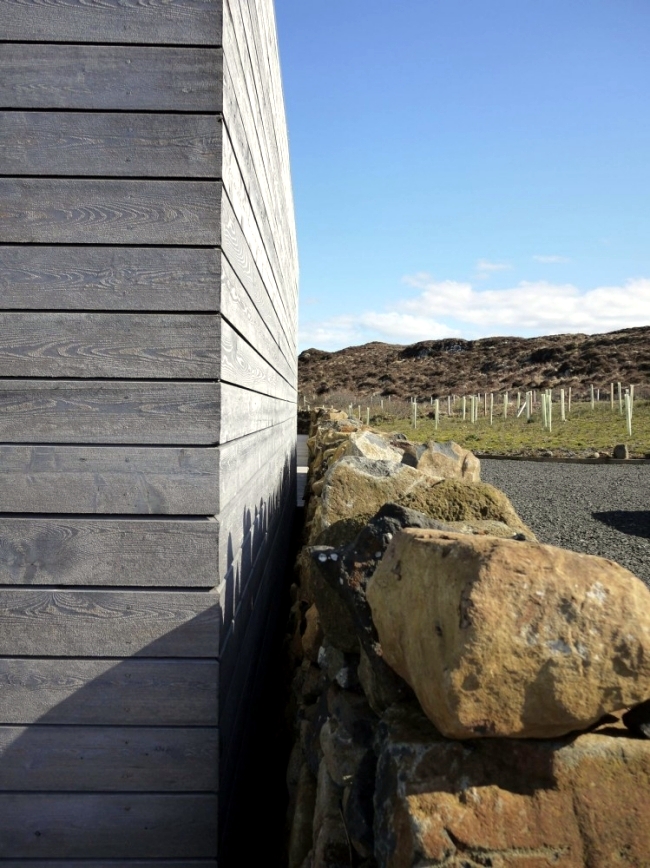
<point>632,522</point>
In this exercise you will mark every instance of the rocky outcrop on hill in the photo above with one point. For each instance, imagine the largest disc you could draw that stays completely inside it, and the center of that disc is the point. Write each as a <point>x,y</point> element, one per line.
<point>452,680</point>
<point>456,366</point>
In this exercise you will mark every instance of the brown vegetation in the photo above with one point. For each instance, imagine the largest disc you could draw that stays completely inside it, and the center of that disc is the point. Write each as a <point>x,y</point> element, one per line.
<point>457,366</point>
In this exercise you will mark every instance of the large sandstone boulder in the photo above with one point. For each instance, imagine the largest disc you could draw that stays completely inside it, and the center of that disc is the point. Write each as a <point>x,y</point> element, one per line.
<point>447,460</point>
<point>367,444</point>
<point>568,803</point>
<point>360,486</point>
<point>455,500</point>
<point>505,638</point>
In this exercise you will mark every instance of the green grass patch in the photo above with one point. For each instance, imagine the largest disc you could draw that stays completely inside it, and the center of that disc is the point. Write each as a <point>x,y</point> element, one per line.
<point>584,431</point>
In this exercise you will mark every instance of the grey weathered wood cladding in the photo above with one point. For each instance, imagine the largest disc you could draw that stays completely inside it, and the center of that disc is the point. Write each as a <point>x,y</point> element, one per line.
<point>108,77</point>
<point>106,144</point>
<point>148,299</point>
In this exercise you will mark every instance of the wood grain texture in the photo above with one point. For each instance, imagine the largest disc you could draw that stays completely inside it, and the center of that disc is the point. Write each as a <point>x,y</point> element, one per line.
<point>250,211</point>
<point>108,692</point>
<point>106,77</point>
<point>246,218</point>
<point>241,460</point>
<point>109,480</point>
<point>67,825</point>
<point>110,145</point>
<point>156,346</point>
<point>108,623</point>
<point>109,212</point>
<point>130,863</point>
<point>265,60</point>
<point>246,304</point>
<point>238,309</point>
<point>192,22</point>
<point>242,412</point>
<point>245,79</point>
<point>241,132</point>
<point>239,256</point>
<point>126,759</point>
<point>108,551</point>
<point>110,278</point>
<point>234,636</point>
<point>105,411</point>
<point>242,365</point>
<point>245,519</point>
<point>254,541</point>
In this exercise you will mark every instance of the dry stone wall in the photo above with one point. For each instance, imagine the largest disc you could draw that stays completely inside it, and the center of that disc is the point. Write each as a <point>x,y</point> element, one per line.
<point>457,687</point>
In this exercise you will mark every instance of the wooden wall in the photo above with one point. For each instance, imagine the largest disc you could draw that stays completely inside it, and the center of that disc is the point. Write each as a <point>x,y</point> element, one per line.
<point>148,294</point>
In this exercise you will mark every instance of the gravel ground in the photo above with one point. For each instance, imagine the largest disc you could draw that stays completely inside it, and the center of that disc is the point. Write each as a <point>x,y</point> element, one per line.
<point>597,509</point>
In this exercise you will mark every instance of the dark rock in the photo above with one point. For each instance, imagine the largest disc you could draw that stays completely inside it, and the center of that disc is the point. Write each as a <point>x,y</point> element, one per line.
<point>637,719</point>
<point>310,735</point>
<point>621,451</point>
<point>358,807</point>
<point>301,837</point>
<point>347,734</point>
<point>331,846</point>
<point>335,619</point>
<point>346,571</point>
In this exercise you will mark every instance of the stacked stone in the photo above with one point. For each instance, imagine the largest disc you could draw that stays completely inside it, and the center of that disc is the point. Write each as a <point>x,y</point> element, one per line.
<point>457,685</point>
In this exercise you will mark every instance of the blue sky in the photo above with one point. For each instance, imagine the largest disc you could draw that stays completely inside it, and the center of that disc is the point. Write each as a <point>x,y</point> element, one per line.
<point>468,167</point>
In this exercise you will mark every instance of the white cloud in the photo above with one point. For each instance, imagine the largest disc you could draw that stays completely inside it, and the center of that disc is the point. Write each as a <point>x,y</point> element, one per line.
<point>540,307</point>
<point>390,326</point>
<point>484,268</point>
<point>551,260</point>
<point>452,308</point>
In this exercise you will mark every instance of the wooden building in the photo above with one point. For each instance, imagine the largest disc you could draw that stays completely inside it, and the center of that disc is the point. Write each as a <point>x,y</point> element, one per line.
<point>148,298</point>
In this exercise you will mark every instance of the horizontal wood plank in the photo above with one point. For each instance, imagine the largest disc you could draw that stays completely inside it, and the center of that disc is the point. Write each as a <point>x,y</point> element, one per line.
<point>245,96</point>
<point>103,77</point>
<point>241,130</point>
<point>121,863</point>
<point>108,623</point>
<point>108,692</point>
<point>110,145</point>
<point>109,480</point>
<point>131,759</point>
<point>108,551</point>
<point>67,825</point>
<point>192,22</point>
<point>110,278</point>
<point>242,365</point>
<point>252,216</point>
<point>47,211</point>
<point>238,254</point>
<point>245,519</point>
<point>238,309</point>
<point>104,411</point>
<point>243,563</point>
<point>241,460</point>
<point>243,412</point>
<point>157,346</point>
